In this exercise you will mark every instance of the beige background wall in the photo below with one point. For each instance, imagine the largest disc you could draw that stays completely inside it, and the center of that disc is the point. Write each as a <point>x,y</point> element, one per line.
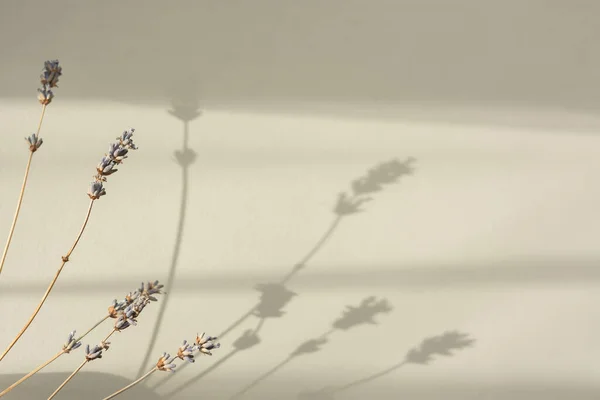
<point>493,234</point>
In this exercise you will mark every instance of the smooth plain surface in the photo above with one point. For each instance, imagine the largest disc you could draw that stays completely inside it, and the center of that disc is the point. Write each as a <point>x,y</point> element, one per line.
<point>252,118</point>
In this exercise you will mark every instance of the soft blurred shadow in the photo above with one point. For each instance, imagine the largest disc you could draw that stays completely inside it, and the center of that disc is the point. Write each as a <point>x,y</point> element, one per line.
<point>275,296</point>
<point>82,386</point>
<point>339,52</point>
<point>185,108</point>
<point>352,317</point>
<point>442,345</point>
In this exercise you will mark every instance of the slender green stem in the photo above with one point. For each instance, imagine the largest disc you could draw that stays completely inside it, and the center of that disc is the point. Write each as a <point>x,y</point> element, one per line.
<point>132,384</point>
<point>29,375</point>
<point>21,195</point>
<point>62,385</point>
<point>65,259</point>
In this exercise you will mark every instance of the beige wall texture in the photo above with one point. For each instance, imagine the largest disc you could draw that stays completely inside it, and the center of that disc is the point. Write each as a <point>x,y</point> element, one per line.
<point>471,273</point>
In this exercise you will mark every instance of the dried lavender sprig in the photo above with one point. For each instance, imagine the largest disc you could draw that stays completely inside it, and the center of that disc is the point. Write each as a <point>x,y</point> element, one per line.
<point>49,78</point>
<point>52,71</point>
<point>117,153</point>
<point>95,192</point>
<point>70,345</point>
<point>91,354</point>
<point>165,362</point>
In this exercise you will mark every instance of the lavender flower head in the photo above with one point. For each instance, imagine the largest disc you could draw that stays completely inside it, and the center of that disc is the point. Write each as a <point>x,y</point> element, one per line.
<point>35,142</point>
<point>186,352</point>
<point>128,310</point>
<point>93,353</point>
<point>150,289</point>
<point>71,343</point>
<point>49,79</point>
<point>165,363</point>
<point>52,71</point>
<point>115,307</point>
<point>117,153</point>
<point>96,190</point>
<point>205,344</point>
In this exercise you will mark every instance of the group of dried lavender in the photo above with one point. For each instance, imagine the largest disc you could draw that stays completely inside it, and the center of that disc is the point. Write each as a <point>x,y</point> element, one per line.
<point>126,312</point>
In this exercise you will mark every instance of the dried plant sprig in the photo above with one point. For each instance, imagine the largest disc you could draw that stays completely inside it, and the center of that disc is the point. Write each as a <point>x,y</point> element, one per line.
<point>117,153</point>
<point>115,310</point>
<point>52,71</point>
<point>166,363</point>
<point>96,190</point>
<point>71,344</point>
<point>91,354</point>
<point>49,78</point>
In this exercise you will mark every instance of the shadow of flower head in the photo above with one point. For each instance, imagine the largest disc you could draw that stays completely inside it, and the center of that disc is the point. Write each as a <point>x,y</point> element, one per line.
<point>376,178</point>
<point>185,157</point>
<point>363,314</point>
<point>185,108</point>
<point>248,340</point>
<point>274,297</point>
<point>383,174</point>
<point>310,346</point>
<point>442,345</point>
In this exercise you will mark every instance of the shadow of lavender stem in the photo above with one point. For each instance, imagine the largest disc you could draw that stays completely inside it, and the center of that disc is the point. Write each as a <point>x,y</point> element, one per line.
<point>274,296</point>
<point>351,317</point>
<point>248,340</point>
<point>442,345</point>
<point>185,111</point>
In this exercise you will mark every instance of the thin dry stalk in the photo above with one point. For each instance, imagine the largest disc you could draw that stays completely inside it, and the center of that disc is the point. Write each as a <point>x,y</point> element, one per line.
<point>132,384</point>
<point>65,259</point>
<point>45,364</point>
<point>62,385</point>
<point>21,195</point>
<point>29,375</point>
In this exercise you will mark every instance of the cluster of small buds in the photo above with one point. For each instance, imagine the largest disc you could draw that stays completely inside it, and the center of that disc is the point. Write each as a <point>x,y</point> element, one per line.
<point>126,312</point>
<point>165,363</point>
<point>128,316</point>
<point>117,152</point>
<point>150,289</point>
<point>49,79</point>
<point>205,344</point>
<point>71,343</point>
<point>35,142</point>
<point>93,353</point>
<point>186,352</point>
